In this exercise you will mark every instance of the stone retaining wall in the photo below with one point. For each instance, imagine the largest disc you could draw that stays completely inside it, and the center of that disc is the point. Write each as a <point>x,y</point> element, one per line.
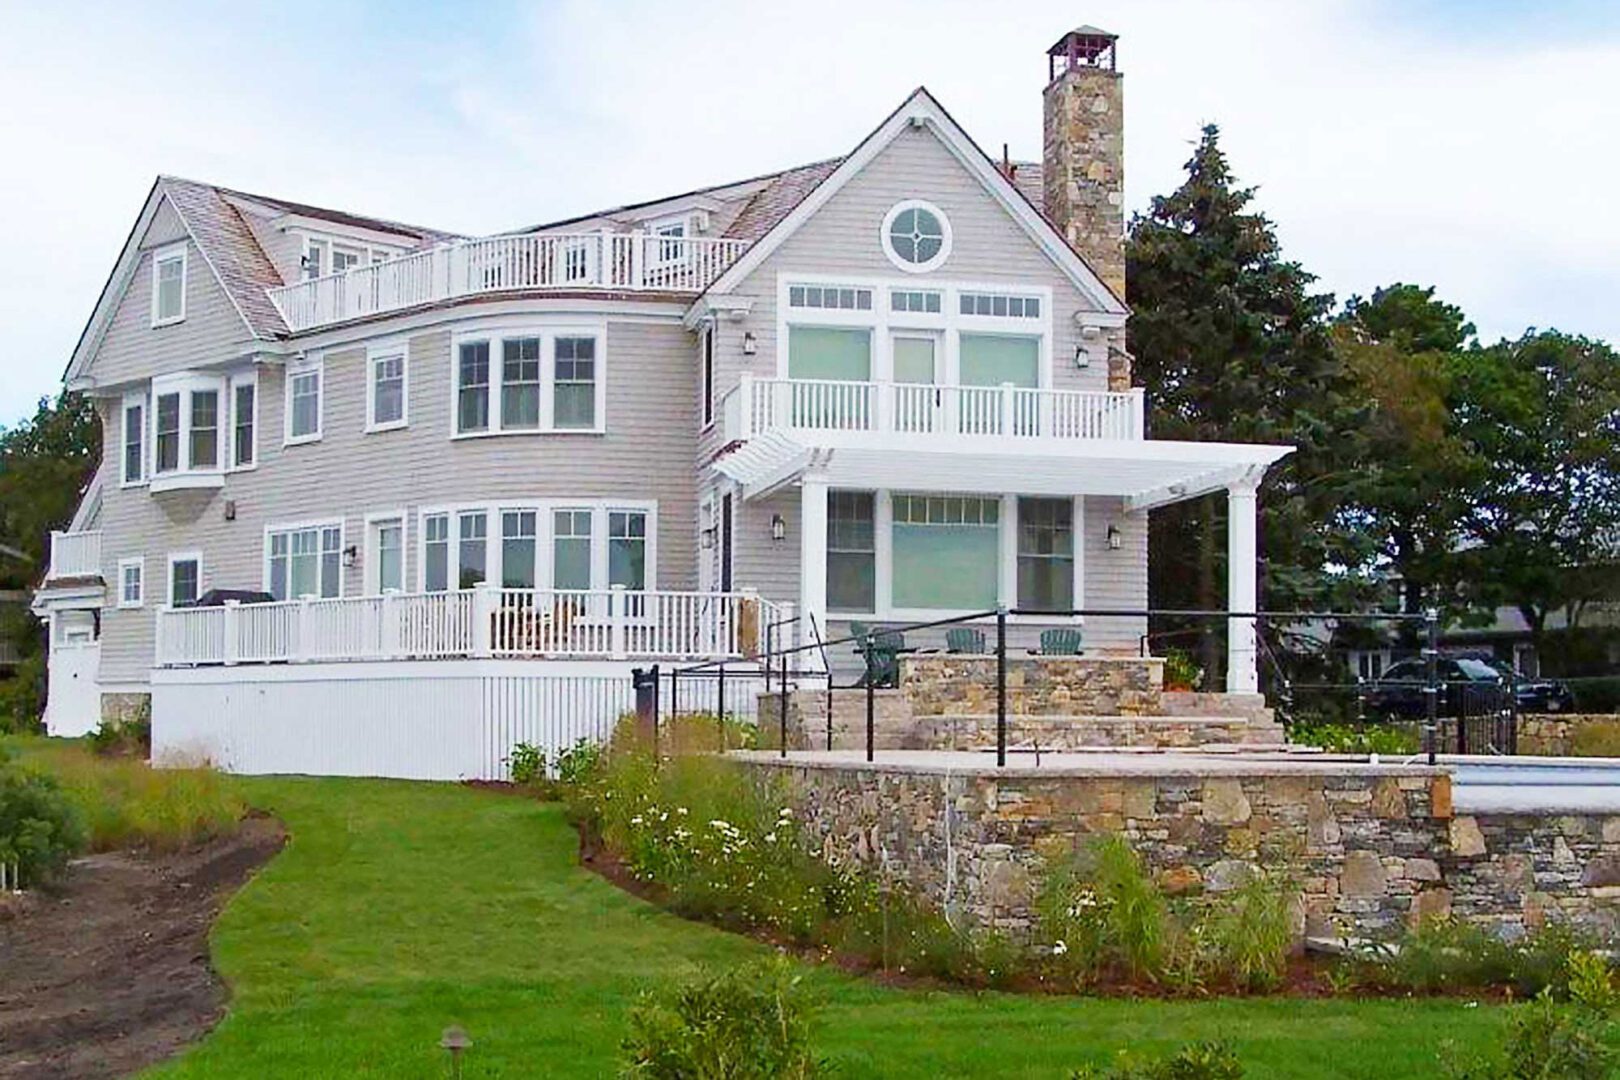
<point>1516,871</point>
<point>1539,734</point>
<point>951,684</point>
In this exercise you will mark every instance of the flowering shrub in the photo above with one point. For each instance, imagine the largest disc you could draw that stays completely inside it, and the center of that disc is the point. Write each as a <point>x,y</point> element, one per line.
<point>752,1024</point>
<point>1196,1061</point>
<point>1102,913</point>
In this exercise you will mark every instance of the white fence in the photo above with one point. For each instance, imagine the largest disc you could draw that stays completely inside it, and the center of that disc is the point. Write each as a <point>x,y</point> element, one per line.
<point>561,261</point>
<point>482,622</point>
<point>456,720</point>
<point>823,405</point>
<point>75,554</point>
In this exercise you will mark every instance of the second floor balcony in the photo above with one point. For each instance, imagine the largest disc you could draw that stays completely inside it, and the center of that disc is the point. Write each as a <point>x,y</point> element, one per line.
<point>560,262</point>
<point>832,412</point>
<point>74,555</point>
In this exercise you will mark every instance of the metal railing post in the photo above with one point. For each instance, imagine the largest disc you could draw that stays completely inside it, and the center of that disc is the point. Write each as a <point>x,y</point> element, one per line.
<point>1001,686</point>
<point>782,720</point>
<point>720,697</point>
<point>674,693</point>
<point>1431,651</point>
<point>829,706</point>
<point>871,695</point>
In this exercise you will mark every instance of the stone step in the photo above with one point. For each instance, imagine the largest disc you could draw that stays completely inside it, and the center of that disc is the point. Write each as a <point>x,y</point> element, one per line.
<point>895,731</point>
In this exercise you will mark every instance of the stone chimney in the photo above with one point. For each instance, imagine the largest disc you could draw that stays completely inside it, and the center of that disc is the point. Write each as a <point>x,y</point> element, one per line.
<point>1083,160</point>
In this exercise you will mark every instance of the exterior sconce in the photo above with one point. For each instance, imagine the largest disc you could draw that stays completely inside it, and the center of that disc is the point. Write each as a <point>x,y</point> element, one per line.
<point>1114,538</point>
<point>778,528</point>
<point>351,555</point>
<point>706,539</point>
<point>1082,358</point>
<point>750,343</point>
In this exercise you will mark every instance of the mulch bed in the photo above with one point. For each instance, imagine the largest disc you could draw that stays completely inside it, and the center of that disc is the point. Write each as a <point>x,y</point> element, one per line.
<point>108,972</point>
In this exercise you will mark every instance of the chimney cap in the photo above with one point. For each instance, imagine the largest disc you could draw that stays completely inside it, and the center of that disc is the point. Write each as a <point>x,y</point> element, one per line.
<point>1089,41</point>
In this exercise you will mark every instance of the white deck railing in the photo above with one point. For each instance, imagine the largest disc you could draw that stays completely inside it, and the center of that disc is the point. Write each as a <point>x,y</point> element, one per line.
<point>482,622</point>
<point>561,261</point>
<point>75,554</point>
<point>756,406</point>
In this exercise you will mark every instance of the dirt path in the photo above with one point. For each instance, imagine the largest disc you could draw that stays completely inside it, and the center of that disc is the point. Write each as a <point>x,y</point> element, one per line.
<point>111,973</point>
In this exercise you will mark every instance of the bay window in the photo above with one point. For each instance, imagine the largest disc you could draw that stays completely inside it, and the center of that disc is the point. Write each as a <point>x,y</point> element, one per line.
<point>627,549</point>
<point>946,552</point>
<point>851,551</point>
<point>517,549</point>
<point>190,428</point>
<point>536,380</point>
<point>473,549</point>
<point>571,549</point>
<point>304,560</point>
<point>556,544</point>
<point>1046,554</point>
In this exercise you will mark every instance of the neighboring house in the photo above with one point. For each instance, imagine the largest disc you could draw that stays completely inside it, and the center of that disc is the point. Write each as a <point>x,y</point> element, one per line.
<point>483,477</point>
<point>1507,638</point>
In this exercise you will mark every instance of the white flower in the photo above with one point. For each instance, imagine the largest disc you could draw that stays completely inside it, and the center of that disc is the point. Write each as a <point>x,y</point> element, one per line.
<point>636,820</point>
<point>785,812</point>
<point>1059,948</point>
<point>770,838</point>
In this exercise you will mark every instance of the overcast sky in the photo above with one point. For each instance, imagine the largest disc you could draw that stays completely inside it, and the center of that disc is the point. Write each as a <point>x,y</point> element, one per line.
<point>1468,144</point>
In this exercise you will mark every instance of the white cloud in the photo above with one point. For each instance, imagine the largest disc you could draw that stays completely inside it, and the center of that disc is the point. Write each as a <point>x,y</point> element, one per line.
<point>1384,149</point>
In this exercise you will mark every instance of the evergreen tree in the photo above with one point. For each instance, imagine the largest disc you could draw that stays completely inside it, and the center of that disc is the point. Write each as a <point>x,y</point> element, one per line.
<point>45,462</point>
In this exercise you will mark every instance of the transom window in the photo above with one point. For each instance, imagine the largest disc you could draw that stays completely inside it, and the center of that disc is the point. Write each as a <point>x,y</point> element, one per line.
<point>169,285</point>
<point>916,236</point>
<point>547,380</point>
<point>304,561</point>
<point>1001,305</point>
<point>831,297</point>
<point>919,300</point>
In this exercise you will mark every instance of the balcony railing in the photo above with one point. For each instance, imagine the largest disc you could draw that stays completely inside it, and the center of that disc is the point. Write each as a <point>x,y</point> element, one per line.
<point>820,406</point>
<point>470,623</point>
<point>605,261</point>
<point>75,554</point>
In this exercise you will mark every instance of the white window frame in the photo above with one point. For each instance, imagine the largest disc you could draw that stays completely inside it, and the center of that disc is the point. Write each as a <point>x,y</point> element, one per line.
<point>321,245</point>
<point>138,565</point>
<point>175,557</point>
<point>186,474</point>
<point>318,525</point>
<point>142,400</point>
<point>160,257</point>
<point>317,366</point>
<point>548,333</point>
<point>372,567</point>
<point>707,407</point>
<point>950,324</point>
<point>375,355</point>
<point>1006,550</point>
<point>250,378</point>
<point>659,230</point>
<point>945,241</point>
<point>544,562</point>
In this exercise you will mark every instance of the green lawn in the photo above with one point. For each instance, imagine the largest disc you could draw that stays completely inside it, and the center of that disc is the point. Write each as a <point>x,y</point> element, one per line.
<point>399,908</point>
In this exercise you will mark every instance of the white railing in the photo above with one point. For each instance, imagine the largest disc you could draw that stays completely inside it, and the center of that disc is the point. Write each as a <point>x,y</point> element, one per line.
<point>483,622</point>
<point>75,554</point>
<point>755,406</point>
<point>559,261</point>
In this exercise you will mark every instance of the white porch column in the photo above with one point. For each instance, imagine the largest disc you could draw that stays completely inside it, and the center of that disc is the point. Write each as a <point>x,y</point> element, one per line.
<point>812,567</point>
<point>1242,586</point>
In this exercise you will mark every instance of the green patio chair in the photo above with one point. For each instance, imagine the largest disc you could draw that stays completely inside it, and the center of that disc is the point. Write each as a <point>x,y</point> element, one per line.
<point>1060,641</point>
<point>883,665</point>
<point>964,639</point>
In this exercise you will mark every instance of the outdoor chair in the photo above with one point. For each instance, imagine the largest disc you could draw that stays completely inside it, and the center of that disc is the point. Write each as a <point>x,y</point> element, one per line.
<point>964,639</point>
<point>883,663</point>
<point>1062,641</point>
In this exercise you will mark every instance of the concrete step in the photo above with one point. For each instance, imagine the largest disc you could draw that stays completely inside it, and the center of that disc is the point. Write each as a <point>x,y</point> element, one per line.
<point>894,730</point>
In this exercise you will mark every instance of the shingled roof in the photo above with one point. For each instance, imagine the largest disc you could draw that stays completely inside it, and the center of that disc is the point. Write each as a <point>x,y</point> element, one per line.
<point>226,241</point>
<point>777,199</point>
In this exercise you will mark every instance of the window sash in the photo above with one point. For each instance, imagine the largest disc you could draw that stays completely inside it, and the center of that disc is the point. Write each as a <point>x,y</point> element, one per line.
<point>993,359</point>
<point>167,428</point>
<point>829,352</point>
<point>130,585</point>
<point>851,551</point>
<point>520,384</point>
<point>306,561</point>
<point>135,442</point>
<point>390,555</point>
<point>518,536</point>
<point>185,581</point>
<point>204,433</point>
<point>627,549</point>
<point>171,283</point>
<point>243,448</point>
<point>388,389</point>
<point>472,386</point>
<point>305,414</point>
<point>1045,554</point>
<point>574,382</point>
<point>472,549</point>
<point>436,552</point>
<point>571,549</point>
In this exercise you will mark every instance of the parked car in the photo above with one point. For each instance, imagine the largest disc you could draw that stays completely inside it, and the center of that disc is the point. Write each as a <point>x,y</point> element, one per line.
<point>1537,695</point>
<point>1467,687</point>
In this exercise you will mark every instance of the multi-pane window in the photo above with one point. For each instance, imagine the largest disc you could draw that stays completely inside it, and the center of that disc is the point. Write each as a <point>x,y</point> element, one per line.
<point>204,429</point>
<point>306,561</point>
<point>576,261</point>
<point>574,393</point>
<point>244,419</point>
<point>517,548</point>
<point>918,300</point>
<point>671,242</point>
<point>169,286</point>
<point>131,586</point>
<point>472,386</point>
<point>946,552</point>
<point>571,549</point>
<point>472,550</point>
<point>1001,305</point>
<point>520,383</point>
<point>167,433</point>
<point>1045,554</point>
<point>708,376</point>
<point>436,552</point>
<point>304,404</point>
<point>345,258</point>
<point>389,539</point>
<point>627,548</point>
<point>135,441</point>
<point>388,390</point>
<point>185,580</point>
<point>833,297</point>
<point>851,551</point>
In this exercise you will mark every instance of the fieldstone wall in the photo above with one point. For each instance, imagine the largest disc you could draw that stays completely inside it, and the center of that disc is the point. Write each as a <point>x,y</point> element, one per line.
<point>1539,734</point>
<point>952,684</point>
<point>1516,871</point>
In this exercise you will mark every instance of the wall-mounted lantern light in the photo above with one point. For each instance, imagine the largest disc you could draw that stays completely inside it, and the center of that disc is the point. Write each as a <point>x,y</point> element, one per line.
<point>351,555</point>
<point>706,539</point>
<point>1114,538</point>
<point>1082,358</point>
<point>778,528</point>
<point>750,343</point>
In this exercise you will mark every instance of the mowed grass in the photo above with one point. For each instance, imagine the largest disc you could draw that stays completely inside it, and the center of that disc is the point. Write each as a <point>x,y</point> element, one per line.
<point>400,908</point>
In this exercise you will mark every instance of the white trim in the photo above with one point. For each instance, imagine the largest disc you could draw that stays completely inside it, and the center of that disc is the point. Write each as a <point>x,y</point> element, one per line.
<point>160,256</point>
<point>139,565</point>
<point>708,383</point>
<point>248,378</point>
<point>313,363</point>
<point>921,107</point>
<point>317,524</point>
<point>544,509</point>
<point>180,557</point>
<point>371,568</point>
<point>887,240</point>
<point>654,228</point>
<point>132,399</point>
<point>547,332</point>
<point>387,350</point>
<point>187,474</point>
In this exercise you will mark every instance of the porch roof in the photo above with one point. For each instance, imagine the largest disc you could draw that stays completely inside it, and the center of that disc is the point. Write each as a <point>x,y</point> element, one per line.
<point>1147,473</point>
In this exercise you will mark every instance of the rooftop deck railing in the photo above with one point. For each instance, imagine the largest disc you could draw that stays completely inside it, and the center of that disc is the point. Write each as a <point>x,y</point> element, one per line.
<point>605,261</point>
<point>483,622</point>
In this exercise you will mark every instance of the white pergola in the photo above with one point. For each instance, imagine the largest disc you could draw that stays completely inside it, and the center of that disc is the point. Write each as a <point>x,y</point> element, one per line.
<point>1144,473</point>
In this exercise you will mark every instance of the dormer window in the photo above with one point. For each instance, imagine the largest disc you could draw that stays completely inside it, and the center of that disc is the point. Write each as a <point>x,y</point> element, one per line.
<point>169,285</point>
<point>671,234</point>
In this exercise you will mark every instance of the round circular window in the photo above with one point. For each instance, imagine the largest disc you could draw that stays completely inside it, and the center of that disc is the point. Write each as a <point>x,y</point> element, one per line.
<point>916,236</point>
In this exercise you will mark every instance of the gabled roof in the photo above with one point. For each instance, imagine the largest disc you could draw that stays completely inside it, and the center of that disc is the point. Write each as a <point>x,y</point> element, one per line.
<point>419,233</point>
<point>921,107</point>
<point>774,202</point>
<point>230,248</point>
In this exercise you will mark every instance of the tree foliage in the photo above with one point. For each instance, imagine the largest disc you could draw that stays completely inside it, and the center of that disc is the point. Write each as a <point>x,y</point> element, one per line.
<point>45,462</point>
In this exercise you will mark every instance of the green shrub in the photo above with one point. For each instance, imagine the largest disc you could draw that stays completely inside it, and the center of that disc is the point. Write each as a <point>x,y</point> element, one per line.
<point>1596,738</point>
<point>1549,1039</point>
<point>1181,671</point>
<point>40,829</point>
<point>1351,738</point>
<point>21,696</point>
<point>131,736</point>
<point>577,763</point>
<point>526,764</point>
<point>1196,1061</point>
<point>1448,955</point>
<point>750,1024</point>
<point>1101,912</point>
<point>1242,942</point>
